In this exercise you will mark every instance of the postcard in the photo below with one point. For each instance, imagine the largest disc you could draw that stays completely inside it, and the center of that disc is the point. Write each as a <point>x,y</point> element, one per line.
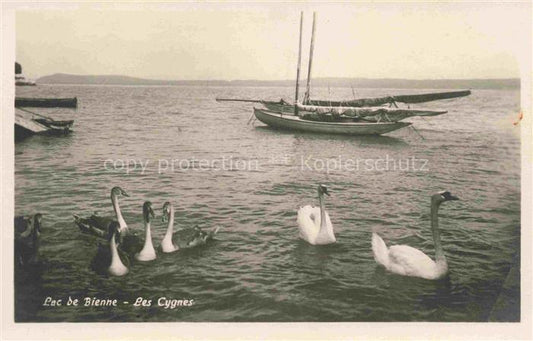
<point>250,170</point>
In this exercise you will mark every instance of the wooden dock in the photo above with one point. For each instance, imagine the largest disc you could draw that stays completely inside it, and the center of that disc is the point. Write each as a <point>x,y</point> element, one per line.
<point>28,124</point>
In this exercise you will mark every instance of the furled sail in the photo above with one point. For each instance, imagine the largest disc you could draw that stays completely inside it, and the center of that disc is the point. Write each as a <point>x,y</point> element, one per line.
<point>408,99</point>
<point>374,114</point>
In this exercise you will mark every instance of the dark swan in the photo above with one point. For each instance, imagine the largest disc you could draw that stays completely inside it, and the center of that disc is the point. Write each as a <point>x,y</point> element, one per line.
<point>98,225</point>
<point>27,239</point>
<point>182,239</point>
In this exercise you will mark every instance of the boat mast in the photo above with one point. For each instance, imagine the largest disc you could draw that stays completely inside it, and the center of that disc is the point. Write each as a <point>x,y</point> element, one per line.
<point>306,97</point>
<point>298,67</point>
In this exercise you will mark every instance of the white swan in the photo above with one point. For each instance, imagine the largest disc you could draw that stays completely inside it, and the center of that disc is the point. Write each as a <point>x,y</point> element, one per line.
<point>182,239</point>
<point>148,252</point>
<point>314,223</point>
<point>408,261</point>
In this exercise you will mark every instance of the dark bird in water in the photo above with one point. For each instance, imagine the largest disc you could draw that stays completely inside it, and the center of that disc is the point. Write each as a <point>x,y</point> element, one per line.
<point>98,225</point>
<point>27,239</point>
<point>185,238</point>
<point>109,259</point>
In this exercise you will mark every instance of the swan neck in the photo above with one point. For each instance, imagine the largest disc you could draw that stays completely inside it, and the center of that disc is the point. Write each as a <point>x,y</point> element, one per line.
<point>147,229</point>
<point>322,211</point>
<point>36,239</point>
<point>148,236</point>
<point>118,213</point>
<point>34,231</point>
<point>439,252</point>
<point>36,236</point>
<point>170,228</point>
<point>113,248</point>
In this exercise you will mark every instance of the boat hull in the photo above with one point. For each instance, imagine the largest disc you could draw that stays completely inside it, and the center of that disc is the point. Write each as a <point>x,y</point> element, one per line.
<point>46,102</point>
<point>25,83</point>
<point>291,122</point>
<point>373,114</point>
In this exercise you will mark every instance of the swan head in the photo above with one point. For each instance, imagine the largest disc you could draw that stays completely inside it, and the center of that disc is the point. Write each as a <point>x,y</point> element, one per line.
<point>148,212</point>
<point>167,207</point>
<point>118,191</point>
<point>322,189</point>
<point>443,196</point>
<point>37,220</point>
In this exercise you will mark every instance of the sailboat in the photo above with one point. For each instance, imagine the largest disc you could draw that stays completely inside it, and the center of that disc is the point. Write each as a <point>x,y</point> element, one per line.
<point>365,116</point>
<point>304,120</point>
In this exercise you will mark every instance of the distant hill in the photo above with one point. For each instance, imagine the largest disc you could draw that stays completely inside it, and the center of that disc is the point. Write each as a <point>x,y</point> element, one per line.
<point>506,83</point>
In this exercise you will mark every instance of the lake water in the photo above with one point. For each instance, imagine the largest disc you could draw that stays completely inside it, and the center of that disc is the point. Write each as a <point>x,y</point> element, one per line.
<point>250,180</point>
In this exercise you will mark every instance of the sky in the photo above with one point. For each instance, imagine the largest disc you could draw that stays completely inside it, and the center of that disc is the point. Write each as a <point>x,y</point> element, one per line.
<point>228,41</point>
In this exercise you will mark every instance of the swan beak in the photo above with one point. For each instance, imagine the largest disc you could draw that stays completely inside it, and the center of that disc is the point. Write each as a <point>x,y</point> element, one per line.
<point>326,192</point>
<point>452,197</point>
<point>164,217</point>
<point>124,193</point>
<point>152,213</point>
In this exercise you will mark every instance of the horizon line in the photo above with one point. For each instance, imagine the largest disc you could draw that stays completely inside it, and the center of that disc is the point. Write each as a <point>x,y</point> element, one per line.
<point>277,80</point>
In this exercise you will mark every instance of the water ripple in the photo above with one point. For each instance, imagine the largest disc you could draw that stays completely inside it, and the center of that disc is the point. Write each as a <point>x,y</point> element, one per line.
<point>258,269</point>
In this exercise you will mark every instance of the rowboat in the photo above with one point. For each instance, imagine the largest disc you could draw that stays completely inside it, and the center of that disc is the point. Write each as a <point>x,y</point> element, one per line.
<point>55,125</point>
<point>46,102</point>
<point>28,123</point>
<point>346,126</point>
